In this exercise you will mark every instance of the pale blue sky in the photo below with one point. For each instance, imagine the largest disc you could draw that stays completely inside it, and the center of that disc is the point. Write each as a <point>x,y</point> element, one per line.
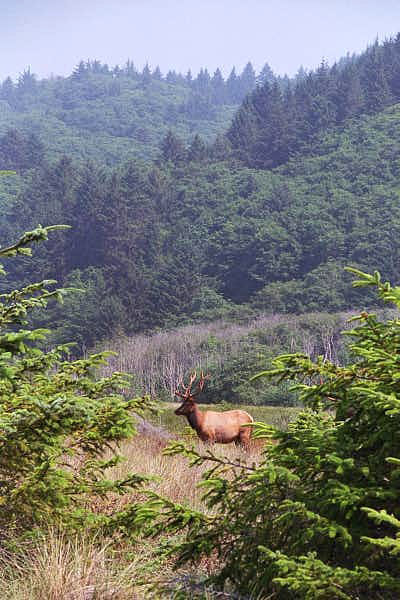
<point>51,36</point>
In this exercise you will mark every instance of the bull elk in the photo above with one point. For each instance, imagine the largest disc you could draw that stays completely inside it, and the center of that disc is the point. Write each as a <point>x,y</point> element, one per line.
<point>211,426</point>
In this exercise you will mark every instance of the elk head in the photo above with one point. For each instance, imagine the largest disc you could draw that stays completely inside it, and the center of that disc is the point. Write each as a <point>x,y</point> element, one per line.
<point>185,392</point>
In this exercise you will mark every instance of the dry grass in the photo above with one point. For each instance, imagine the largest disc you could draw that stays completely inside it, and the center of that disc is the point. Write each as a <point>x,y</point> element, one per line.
<point>172,476</point>
<point>55,567</point>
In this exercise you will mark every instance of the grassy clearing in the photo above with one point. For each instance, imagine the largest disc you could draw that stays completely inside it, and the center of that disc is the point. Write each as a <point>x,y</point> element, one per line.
<point>54,567</point>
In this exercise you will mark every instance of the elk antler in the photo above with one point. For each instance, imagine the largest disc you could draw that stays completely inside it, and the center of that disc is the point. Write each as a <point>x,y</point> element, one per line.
<point>186,389</point>
<point>200,385</point>
<point>186,392</point>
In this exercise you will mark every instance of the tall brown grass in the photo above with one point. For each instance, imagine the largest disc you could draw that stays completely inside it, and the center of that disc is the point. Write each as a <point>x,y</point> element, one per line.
<point>57,567</point>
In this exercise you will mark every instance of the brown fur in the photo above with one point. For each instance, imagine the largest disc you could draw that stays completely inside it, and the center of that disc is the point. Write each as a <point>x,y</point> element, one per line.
<point>217,427</point>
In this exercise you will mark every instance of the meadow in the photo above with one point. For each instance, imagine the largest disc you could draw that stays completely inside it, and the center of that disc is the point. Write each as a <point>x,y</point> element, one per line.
<point>57,567</point>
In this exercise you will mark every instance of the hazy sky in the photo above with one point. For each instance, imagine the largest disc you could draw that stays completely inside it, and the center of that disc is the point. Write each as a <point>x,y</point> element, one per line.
<point>51,36</point>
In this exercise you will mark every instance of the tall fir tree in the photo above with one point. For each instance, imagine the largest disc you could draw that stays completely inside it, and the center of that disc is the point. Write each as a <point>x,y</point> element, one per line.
<point>233,87</point>
<point>265,75</point>
<point>218,91</point>
<point>157,75</point>
<point>376,87</point>
<point>247,79</point>
<point>172,148</point>
<point>197,150</point>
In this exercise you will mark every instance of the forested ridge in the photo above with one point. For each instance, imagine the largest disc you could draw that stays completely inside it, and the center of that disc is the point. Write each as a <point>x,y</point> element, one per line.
<point>197,233</point>
<point>276,121</point>
<point>111,114</point>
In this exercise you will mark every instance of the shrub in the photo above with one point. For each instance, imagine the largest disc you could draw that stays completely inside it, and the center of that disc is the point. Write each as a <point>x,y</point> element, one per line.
<point>231,381</point>
<point>56,419</point>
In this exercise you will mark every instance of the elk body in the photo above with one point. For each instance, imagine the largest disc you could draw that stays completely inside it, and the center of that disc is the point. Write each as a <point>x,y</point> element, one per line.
<point>212,426</point>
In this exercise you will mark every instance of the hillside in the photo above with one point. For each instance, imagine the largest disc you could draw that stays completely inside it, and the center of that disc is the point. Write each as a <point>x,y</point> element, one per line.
<point>275,121</point>
<point>202,232</point>
<point>111,115</point>
<point>197,238</point>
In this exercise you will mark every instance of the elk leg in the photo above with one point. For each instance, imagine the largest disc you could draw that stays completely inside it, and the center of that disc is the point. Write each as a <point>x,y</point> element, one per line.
<point>244,438</point>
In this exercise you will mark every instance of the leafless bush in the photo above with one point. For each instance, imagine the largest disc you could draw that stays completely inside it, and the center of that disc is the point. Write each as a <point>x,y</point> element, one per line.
<point>158,361</point>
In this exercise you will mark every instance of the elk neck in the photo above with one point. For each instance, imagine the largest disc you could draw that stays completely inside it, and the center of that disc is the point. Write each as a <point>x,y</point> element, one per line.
<point>195,418</point>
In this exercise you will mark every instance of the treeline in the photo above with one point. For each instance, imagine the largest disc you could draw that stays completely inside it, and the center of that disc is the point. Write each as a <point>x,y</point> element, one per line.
<point>94,79</point>
<point>195,235</point>
<point>275,122</point>
<point>113,114</point>
<point>99,115</point>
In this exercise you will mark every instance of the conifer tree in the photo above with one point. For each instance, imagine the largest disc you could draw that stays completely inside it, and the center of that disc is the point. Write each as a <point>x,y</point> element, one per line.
<point>350,96</point>
<point>221,149</point>
<point>171,77</point>
<point>301,74</point>
<point>80,70</point>
<point>57,419</point>
<point>26,81</point>
<point>12,150</point>
<point>247,79</point>
<point>172,148</point>
<point>95,66</point>
<point>197,150</point>
<point>218,88</point>
<point>265,75</point>
<point>189,78</point>
<point>391,50</point>
<point>202,82</point>
<point>130,69</point>
<point>243,130</point>
<point>7,91</point>
<point>87,220</point>
<point>376,88</point>
<point>233,87</point>
<point>157,74</point>
<point>146,75</point>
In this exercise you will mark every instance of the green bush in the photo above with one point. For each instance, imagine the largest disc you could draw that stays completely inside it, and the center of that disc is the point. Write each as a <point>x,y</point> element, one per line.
<point>231,381</point>
<point>56,420</point>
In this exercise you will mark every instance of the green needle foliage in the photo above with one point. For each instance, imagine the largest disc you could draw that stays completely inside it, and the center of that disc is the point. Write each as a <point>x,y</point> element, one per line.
<point>56,420</point>
<point>319,517</point>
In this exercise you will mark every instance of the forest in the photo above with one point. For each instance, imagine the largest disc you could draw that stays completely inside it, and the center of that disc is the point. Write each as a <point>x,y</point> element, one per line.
<point>185,235</point>
<point>114,114</point>
<point>246,227</point>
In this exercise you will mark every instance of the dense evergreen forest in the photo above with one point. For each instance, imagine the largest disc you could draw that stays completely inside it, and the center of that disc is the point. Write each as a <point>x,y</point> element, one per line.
<point>264,218</point>
<point>277,121</point>
<point>113,114</point>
